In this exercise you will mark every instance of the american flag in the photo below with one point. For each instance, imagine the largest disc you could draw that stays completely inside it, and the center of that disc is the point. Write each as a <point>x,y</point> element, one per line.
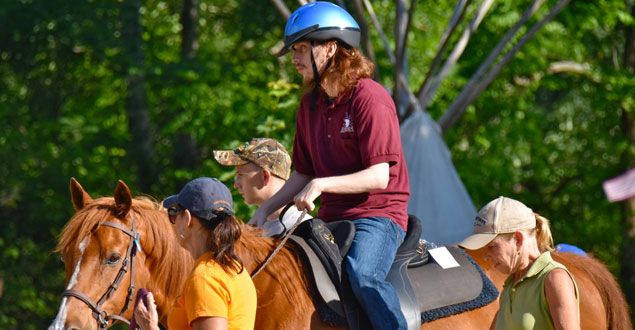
<point>620,188</point>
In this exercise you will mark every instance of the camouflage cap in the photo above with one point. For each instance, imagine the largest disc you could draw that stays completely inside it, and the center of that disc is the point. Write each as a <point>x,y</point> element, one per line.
<point>264,152</point>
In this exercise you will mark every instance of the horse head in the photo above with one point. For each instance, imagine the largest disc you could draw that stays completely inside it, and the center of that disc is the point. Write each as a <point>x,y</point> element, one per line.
<point>111,247</point>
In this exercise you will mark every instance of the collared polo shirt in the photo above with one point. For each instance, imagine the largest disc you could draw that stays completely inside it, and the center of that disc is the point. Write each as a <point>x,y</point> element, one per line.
<point>346,135</point>
<point>523,305</point>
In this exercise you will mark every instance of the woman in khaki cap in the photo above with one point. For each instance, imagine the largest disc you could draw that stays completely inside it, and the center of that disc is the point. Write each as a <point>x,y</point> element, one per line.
<point>539,292</point>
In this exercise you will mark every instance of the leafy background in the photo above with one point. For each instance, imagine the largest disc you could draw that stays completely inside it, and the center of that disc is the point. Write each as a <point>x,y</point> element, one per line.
<point>547,138</point>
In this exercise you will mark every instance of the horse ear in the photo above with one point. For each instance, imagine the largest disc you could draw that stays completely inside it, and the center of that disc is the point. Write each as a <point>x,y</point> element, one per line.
<point>123,199</point>
<point>79,196</point>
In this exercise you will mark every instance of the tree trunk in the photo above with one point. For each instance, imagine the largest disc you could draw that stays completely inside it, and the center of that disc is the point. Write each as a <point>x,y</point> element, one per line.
<point>184,144</point>
<point>628,247</point>
<point>365,44</point>
<point>399,92</point>
<point>136,101</point>
<point>468,94</point>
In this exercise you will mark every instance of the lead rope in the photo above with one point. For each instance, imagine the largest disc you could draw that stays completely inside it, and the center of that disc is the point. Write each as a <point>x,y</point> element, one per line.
<point>284,239</point>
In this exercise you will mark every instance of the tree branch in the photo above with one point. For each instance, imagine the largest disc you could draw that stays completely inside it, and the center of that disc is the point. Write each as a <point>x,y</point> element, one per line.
<point>282,9</point>
<point>567,66</point>
<point>457,16</point>
<point>382,35</point>
<point>456,53</point>
<point>402,26</point>
<point>367,48</point>
<point>411,12</point>
<point>456,109</point>
<point>402,87</point>
<point>401,63</point>
<point>413,101</point>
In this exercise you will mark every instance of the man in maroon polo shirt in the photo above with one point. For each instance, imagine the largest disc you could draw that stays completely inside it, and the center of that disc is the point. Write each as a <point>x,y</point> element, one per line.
<point>356,131</point>
<point>347,151</point>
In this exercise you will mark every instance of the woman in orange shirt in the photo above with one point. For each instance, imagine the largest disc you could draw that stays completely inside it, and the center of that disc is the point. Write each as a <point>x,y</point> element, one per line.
<point>219,293</point>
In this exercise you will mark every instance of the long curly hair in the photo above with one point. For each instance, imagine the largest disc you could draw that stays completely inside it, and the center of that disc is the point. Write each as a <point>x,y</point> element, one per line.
<point>345,68</point>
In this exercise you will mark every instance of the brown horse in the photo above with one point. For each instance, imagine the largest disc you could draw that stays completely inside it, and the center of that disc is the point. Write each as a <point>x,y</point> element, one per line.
<point>93,249</point>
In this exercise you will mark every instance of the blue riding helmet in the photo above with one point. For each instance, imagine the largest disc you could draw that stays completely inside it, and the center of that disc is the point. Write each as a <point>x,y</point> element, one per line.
<point>321,21</point>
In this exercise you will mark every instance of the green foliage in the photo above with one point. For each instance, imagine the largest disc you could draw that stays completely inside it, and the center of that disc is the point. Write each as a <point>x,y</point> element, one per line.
<point>551,139</point>
<point>546,138</point>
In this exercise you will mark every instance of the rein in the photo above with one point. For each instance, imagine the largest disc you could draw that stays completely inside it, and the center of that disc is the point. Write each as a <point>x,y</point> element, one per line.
<point>284,240</point>
<point>100,314</point>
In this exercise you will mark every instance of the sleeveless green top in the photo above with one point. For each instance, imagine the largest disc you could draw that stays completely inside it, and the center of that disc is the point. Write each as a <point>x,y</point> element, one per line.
<point>523,306</point>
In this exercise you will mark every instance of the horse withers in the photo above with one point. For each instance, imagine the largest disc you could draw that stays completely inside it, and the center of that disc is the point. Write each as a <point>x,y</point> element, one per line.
<point>94,253</point>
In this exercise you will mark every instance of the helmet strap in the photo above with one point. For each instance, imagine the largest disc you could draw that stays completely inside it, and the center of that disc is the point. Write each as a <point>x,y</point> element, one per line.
<point>317,79</point>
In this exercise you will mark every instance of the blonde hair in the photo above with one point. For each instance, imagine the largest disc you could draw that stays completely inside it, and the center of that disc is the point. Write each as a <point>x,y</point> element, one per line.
<point>543,234</point>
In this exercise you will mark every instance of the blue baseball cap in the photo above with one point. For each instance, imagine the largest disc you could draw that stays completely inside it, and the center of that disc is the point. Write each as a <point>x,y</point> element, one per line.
<point>202,196</point>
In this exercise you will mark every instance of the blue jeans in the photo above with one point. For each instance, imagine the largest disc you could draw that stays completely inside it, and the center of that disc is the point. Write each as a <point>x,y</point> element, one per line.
<point>368,263</point>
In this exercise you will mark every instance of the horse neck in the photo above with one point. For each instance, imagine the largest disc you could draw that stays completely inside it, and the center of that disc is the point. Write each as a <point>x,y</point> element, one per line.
<point>283,277</point>
<point>168,264</point>
<point>253,249</point>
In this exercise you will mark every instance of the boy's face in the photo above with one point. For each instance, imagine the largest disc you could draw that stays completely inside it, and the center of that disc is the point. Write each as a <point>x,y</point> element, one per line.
<point>249,182</point>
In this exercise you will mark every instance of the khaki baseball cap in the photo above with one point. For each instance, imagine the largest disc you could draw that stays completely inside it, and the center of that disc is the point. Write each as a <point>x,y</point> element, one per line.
<point>264,152</point>
<point>500,216</point>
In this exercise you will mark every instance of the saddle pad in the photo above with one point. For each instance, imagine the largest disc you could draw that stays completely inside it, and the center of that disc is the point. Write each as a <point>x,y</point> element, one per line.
<point>443,292</point>
<point>328,304</point>
<point>323,282</point>
<point>439,292</point>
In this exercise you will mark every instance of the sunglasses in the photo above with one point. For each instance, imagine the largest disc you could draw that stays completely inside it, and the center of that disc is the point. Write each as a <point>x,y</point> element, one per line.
<point>174,210</point>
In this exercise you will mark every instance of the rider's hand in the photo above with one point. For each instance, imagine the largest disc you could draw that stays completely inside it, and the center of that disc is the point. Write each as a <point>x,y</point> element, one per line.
<point>259,218</point>
<point>147,318</point>
<point>306,197</point>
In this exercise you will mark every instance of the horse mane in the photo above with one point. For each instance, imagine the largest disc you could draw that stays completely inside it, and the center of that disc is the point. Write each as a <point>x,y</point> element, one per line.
<point>618,314</point>
<point>158,241</point>
<point>285,267</point>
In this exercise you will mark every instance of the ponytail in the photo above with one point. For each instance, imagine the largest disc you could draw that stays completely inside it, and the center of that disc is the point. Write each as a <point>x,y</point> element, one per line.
<point>543,234</point>
<point>224,233</point>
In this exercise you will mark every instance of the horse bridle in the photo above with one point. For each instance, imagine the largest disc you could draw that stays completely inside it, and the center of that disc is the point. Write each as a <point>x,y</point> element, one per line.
<point>100,314</point>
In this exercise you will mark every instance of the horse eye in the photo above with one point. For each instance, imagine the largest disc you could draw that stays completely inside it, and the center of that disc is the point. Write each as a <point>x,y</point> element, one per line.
<point>113,258</point>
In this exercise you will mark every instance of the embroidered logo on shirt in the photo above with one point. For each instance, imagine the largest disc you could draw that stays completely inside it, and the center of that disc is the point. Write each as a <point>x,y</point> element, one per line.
<point>347,126</point>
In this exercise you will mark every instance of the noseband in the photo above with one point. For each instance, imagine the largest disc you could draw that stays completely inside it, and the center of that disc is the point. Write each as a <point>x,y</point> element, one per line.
<point>100,314</point>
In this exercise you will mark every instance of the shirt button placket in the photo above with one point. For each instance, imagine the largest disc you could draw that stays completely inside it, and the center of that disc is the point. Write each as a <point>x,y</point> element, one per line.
<point>329,126</point>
